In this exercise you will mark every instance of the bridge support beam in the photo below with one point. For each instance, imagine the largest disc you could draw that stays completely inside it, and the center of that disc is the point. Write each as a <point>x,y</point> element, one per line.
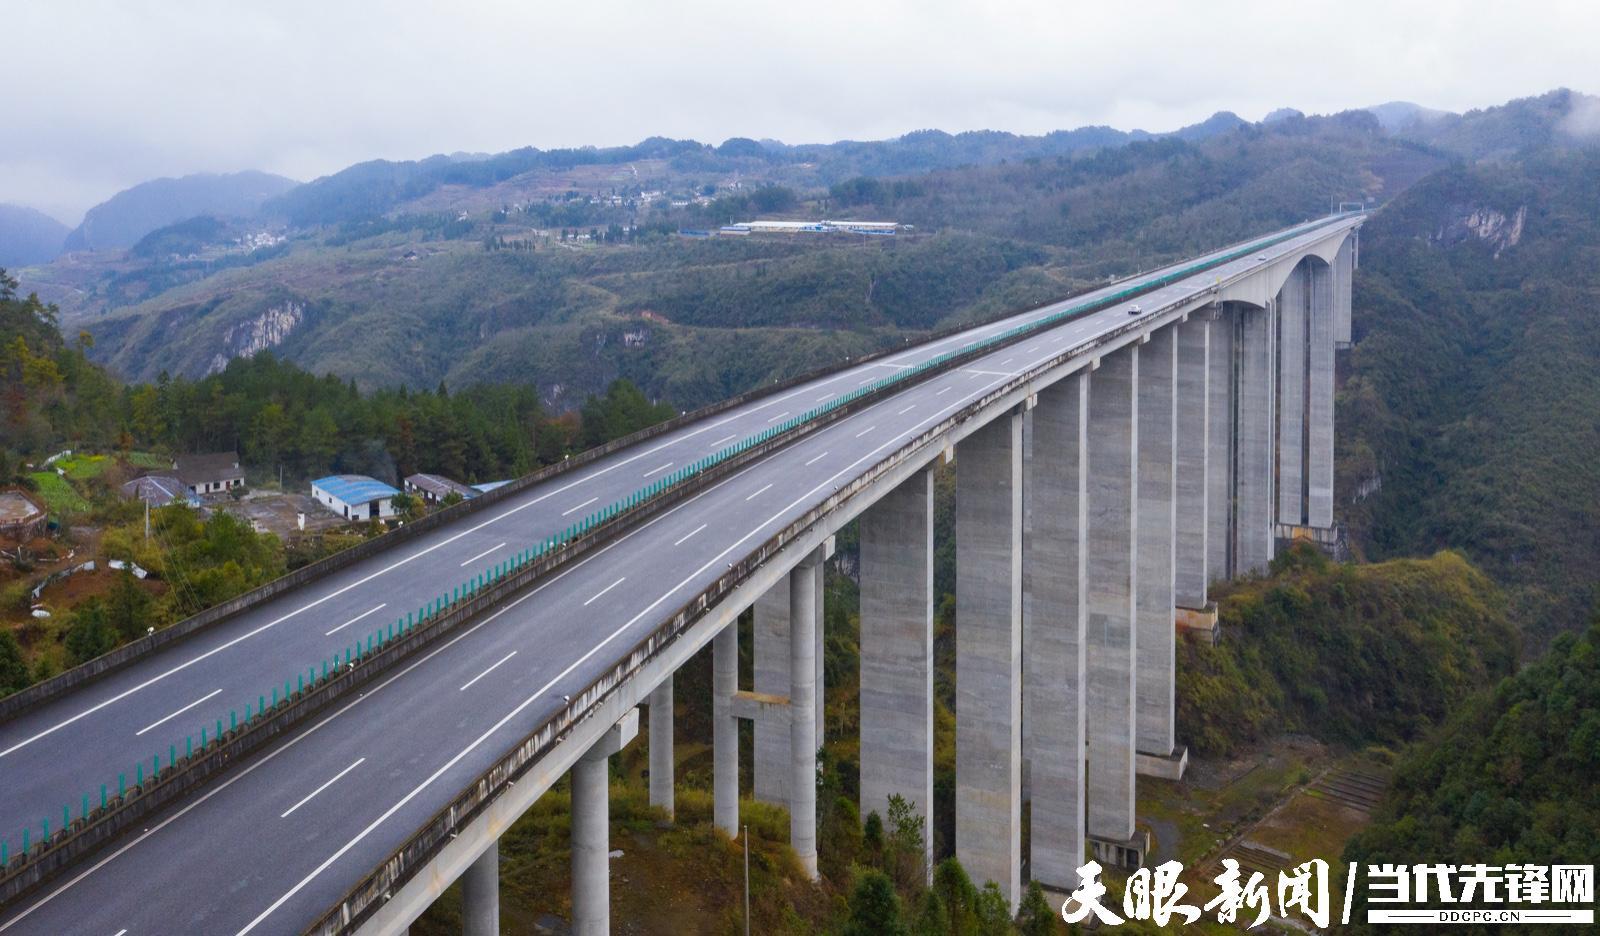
<point>989,654</point>
<point>480,894</point>
<point>1193,462</point>
<point>804,583</point>
<point>662,764</point>
<point>1219,441</point>
<point>1155,662</point>
<point>1319,410</point>
<point>1292,397</point>
<point>725,729</point>
<point>591,830</point>
<point>1054,607</point>
<point>1113,437</point>
<point>897,653</point>
<point>1253,501</point>
<point>772,624</point>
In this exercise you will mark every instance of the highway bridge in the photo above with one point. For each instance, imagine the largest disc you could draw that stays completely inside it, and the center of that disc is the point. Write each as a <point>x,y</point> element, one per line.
<point>1109,466</point>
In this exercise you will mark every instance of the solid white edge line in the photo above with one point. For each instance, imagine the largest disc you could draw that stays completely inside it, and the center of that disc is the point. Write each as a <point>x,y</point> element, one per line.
<point>162,721</point>
<point>758,493</point>
<point>817,459</point>
<point>335,779</point>
<point>656,470</point>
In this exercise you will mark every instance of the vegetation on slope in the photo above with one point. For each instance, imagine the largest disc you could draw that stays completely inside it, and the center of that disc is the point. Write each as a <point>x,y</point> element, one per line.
<point>1467,419</point>
<point>1510,779</point>
<point>1351,654</point>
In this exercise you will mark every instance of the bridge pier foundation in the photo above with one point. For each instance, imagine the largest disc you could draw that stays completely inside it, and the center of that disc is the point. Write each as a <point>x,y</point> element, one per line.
<point>989,654</point>
<point>1155,663</point>
<point>591,830</point>
<point>663,768</point>
<point>1113,437</point>
<point>480,894</point>
<point>1053,613</point>
<point>725,729</point>
<point>897,653</point>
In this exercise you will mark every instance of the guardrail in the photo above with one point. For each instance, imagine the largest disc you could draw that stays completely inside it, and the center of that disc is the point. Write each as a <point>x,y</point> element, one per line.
<point>363,899</point>
<point>386,648</point>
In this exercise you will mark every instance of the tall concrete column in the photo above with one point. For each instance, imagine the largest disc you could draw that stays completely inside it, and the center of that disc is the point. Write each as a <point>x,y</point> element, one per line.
<point>1291,397</point>
<point>725,729</point>
<point>1157,639</point>
<point>1054,611</point>
<point>480,894</point>
<point>662,765</point>
<point>803,612</point>
<point>897,653</point>
<point>1219,439</point>
<point>1253,504</point>
<point>771,767</point>
<point>591,830</point>
<point>770,772</point>
<point>1319,409</point>
<point>1112,579</point>
<point>591,847</point>
<point>989,654</point>
<point>1193,458</point>
<point>1343,271</point>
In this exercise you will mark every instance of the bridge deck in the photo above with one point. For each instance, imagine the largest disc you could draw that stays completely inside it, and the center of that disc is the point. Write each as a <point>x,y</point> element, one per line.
<point>283,838</point>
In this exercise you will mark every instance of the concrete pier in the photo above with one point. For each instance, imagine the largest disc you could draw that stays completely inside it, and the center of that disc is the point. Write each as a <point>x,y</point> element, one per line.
<point>1157,638</point>
<point>591,830</point>
<point>1193,457</point>
<point>725,730</point>
<point>1253,502</point>
<point>897,653</point>
<point>1054,611</point>
<point>1112,578</point>
<point>1291,397</point>
<point>480,894</point>
<point>803,613</point>
<point>1319,408</point>
<point>989,654</point>
<point>662,765</point>
<point>771,677</point>
<point>1219,439</point>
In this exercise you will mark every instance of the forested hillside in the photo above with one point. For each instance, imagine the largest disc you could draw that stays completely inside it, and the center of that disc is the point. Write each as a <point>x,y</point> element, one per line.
<point>1511,778</point>
<point>1467,419</point>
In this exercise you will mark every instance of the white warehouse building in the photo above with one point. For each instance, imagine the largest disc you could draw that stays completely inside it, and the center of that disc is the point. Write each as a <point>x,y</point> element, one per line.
<point>355,497</point>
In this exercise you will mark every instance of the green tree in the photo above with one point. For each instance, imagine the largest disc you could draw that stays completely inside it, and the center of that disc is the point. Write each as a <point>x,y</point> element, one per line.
<point>991,912</point>
<point>1036,917</point>
<point>959,897</point>
<point>13,670</point>
<point>874,907</point>
<point>906,847</point>
<point>90,634</point>
<point>129,608</point>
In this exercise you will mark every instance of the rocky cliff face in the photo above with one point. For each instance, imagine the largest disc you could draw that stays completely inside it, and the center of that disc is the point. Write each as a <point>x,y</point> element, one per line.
<point>252,336</point>
<point>1500,230</point>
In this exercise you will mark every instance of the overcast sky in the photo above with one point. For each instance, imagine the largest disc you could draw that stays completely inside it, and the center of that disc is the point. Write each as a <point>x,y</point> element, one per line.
<point>99,96</point>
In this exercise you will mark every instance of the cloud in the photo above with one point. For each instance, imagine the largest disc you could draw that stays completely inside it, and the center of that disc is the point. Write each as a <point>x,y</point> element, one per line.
<point>118,91</point>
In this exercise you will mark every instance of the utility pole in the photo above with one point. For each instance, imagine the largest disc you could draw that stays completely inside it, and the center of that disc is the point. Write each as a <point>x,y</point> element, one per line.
<point>147,519</point>
<point>746,837</point>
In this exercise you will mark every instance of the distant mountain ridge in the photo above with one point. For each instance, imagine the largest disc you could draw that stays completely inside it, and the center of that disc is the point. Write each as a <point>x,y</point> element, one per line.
<point>28,236</point>
<point>123,219</point>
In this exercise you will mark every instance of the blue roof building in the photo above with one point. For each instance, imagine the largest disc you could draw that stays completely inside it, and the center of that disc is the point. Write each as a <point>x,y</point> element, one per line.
<point>355,497</point>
